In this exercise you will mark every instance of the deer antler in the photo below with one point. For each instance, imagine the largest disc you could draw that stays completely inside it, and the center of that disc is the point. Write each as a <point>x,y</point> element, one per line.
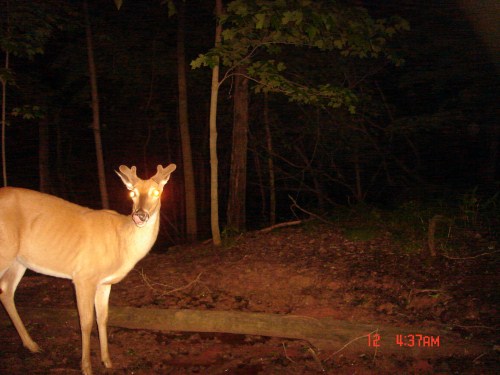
<point>128,176</point>
<point>163,174</point>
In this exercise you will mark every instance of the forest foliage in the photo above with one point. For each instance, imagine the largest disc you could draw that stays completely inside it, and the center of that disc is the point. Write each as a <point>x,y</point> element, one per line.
<point>257,35</point>
<point>362,107</point>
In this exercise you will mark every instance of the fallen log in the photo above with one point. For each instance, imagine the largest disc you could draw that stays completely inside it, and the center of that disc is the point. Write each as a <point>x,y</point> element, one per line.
<point>281,225</point>
<point>323,333</point>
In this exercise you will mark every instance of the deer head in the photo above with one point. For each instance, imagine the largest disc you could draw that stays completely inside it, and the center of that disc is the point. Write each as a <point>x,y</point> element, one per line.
<point>145,194</point>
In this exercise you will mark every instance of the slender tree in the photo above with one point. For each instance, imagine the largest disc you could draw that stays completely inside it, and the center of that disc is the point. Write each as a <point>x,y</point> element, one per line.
<point>270,162</point>
<point>96,126</point>
<point>189,183</point>
<point>214,163</point>
<point>43,155</point>
<point>236,210</point>
<point>4,79</point>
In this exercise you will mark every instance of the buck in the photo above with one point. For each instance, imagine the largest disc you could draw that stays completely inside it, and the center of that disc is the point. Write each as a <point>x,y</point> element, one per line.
<point>94,248</point>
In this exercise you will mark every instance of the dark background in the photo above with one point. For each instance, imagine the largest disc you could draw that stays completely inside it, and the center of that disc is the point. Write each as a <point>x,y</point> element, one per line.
<point>432,131</point>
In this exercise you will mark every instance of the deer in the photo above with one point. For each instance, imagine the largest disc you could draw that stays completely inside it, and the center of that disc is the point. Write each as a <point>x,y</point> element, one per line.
<point>93,248</point>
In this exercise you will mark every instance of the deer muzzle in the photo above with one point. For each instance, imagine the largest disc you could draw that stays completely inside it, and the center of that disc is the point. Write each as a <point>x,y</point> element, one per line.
<point>140,218</point>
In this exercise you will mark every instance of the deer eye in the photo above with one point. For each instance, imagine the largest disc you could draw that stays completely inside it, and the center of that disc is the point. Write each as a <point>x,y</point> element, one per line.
<point>155,193</point>
<point>133,194</point>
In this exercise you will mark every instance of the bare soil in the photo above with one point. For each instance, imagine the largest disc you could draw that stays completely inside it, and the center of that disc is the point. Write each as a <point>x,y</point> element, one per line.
<point>313,270</point>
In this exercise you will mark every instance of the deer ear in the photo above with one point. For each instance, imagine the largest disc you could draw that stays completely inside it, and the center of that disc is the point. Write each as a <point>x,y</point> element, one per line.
<point>163,174</point>
<point>128,176</point>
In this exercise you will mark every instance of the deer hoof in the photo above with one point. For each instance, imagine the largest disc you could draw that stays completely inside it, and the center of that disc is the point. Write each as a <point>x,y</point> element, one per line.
<point>86,369</point>
<point>33,347</point>
<point>107,363</point>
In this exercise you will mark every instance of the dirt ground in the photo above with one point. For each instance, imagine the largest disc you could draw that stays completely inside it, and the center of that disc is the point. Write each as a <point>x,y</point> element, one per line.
<point>311,270</point>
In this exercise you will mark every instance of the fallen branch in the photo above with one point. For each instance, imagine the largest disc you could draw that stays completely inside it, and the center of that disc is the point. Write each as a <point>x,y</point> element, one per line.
<point>316,359</point>
<point>281,225</point>
<point>286,354</point>
<point>472,257</point>
<point>165,289</point>
<point>295,204</point>
<point>353,340</point>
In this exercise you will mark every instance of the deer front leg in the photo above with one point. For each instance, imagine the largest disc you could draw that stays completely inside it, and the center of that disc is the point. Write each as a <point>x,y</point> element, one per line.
<point>85,295</point>
<point>101,307</point>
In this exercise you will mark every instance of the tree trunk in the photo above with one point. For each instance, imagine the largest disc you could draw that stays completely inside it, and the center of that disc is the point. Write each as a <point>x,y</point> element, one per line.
<point>60,186</point>
<point>485,26</point>
<point>43,155</point>
<point>96,126</point>
<point>358,188</point>
<point>270,163</point>
<point>236,212</point>
<point>488,172</point>
<point>484,20</point>
<point>187,160</point>
<point>214,186</point>
<point>4,118</point>
<point>260,180</point>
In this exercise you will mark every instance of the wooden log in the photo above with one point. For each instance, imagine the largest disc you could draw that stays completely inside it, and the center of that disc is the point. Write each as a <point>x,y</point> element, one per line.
<point>323,333</point>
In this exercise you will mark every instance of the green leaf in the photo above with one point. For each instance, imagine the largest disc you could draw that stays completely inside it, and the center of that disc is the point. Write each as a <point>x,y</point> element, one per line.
<point>320,44</point>
<point>338,43</point>
<point>228,34</point>
<point>299,16</point>
<point>312,31</point>
<point>28,112</point>
<point>295,16</point>
<point>287,17</point>
<point>260,20</point>
<point>171,8</point>
<point>199,62</point>
<point>238,7</point>
<point>281,66</point>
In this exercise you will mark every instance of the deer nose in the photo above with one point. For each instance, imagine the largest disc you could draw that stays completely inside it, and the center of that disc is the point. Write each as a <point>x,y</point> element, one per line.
<point>140,217</point>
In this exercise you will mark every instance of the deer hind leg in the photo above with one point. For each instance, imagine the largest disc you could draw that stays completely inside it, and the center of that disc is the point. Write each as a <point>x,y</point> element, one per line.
<point>85,294</point>
<point>101,307</point>
<point>9,281</point>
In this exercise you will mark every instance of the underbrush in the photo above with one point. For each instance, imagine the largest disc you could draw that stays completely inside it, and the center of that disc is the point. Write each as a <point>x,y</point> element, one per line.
<point>462,226</point>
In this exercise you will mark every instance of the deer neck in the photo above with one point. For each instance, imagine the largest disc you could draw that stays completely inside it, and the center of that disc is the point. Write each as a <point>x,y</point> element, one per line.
<point>135,245</point>
<point>142,239</point>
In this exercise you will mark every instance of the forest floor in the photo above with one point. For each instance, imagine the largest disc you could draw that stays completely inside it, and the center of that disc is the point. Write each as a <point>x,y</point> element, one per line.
<point>313,270</point>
